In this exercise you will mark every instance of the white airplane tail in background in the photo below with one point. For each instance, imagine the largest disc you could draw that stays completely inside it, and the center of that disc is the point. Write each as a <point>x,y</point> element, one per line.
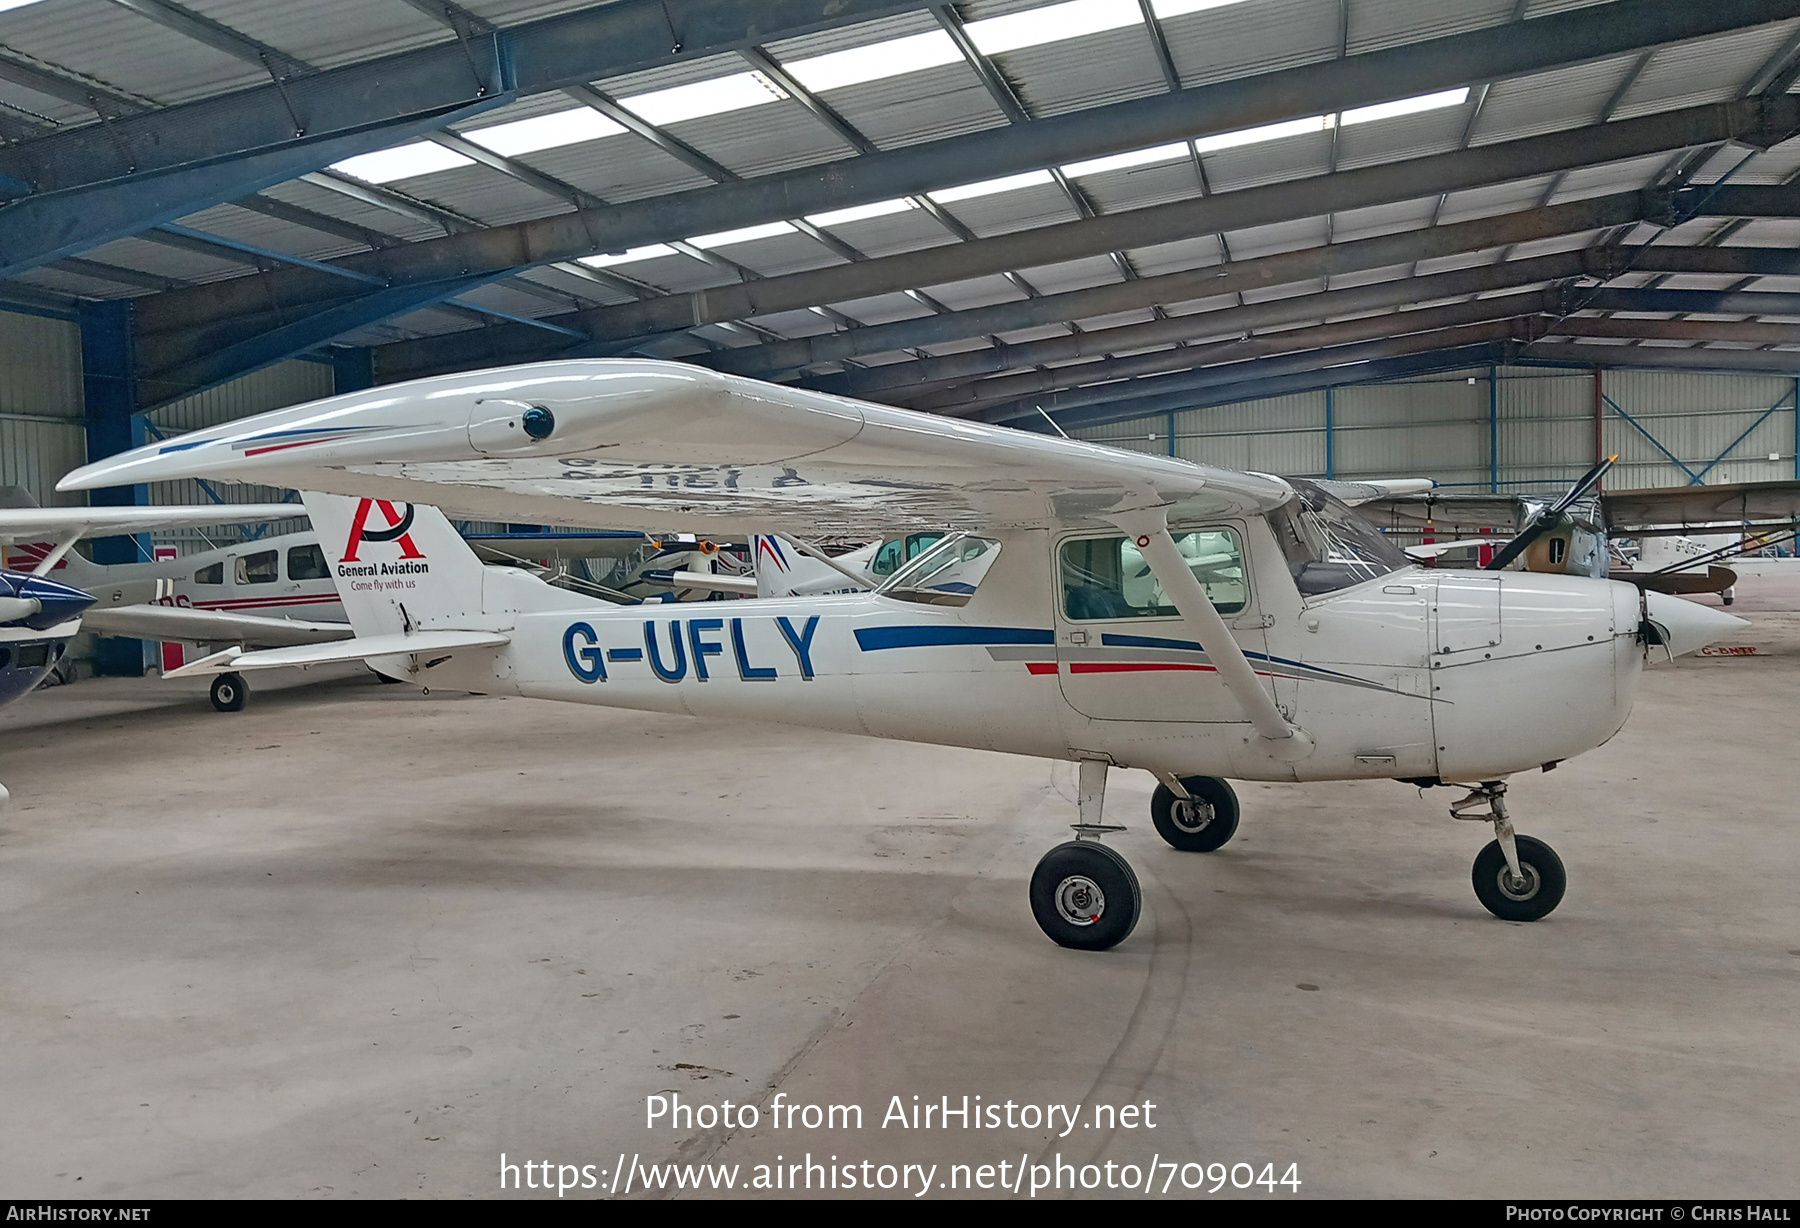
<point>782,571</point>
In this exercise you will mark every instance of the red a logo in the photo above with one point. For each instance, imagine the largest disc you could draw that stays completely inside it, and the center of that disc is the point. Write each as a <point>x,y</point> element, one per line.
<point>398,530</point>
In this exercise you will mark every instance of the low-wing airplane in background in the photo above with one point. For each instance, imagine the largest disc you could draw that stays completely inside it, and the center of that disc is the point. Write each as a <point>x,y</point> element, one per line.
<point>39,612</point>
<point>1113,608</point>
<point>1685,533</point>
<point>268,592</point>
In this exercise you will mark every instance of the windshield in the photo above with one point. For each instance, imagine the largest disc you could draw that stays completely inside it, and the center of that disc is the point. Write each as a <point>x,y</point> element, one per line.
<point>1327,545</point>
<point>947,574</point>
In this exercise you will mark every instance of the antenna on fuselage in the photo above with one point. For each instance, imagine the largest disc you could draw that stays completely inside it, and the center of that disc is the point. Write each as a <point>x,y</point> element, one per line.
<point>1054,425</point>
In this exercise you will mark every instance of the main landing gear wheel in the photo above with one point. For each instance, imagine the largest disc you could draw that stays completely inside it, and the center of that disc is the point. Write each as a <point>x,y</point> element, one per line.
<point>229,693</point>
<point>1534,894</point>
<point>1202,821</point>
<point>1085,896</point>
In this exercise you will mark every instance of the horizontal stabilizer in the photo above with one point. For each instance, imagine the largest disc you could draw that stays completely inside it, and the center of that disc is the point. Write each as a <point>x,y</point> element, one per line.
<point>162,622</point>
<point>233,661</point>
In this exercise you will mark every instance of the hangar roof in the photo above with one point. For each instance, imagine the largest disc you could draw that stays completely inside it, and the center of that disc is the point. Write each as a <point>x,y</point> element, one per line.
<point>1099,207</point>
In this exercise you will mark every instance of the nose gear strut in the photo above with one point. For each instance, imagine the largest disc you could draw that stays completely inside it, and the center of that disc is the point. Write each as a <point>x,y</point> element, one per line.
<point>1516,877</point>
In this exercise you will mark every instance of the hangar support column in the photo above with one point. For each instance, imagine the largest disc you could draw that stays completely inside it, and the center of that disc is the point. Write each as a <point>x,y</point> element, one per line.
<point>109,396</point>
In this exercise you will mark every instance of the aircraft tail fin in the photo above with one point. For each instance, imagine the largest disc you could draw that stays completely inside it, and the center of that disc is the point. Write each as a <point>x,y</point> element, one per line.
<point>782,571</point>
<point>402,568</point>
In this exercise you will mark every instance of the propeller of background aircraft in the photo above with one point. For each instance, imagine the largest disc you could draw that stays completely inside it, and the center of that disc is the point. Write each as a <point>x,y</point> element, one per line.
<point>1551,516</point>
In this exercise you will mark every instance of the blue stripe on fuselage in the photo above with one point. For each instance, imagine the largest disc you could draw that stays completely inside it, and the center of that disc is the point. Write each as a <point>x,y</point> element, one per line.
<point>874,639</point>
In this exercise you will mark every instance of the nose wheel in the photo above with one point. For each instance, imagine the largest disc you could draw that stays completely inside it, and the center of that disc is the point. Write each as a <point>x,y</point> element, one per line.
<point>1084,895</point>
<point>1517,878</point>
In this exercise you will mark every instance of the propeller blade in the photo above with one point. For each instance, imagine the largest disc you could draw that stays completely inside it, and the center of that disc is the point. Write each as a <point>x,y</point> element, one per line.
<point>1548,519</point>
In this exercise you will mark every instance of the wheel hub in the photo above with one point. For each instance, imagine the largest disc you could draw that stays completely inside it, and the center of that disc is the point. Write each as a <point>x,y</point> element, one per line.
<point>1191,814</point>
<point>1079,900</point>
<point>1521,888</point>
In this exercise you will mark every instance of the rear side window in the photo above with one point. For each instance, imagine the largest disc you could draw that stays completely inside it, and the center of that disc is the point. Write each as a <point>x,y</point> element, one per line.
<point>212,573</point>
<point>1106,577</point>
<point>307,563</point>
<point>261,568</point>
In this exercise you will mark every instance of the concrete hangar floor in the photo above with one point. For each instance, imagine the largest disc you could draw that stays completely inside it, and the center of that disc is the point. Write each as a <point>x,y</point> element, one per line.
<point>358,941</point>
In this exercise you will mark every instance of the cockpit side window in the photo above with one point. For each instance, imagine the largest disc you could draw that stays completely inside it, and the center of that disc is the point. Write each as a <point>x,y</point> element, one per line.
<point>1106,577</point>
<point>263,567</point>
<point>307,563</point>
<point>1327,545</point>
<point>212,573</point>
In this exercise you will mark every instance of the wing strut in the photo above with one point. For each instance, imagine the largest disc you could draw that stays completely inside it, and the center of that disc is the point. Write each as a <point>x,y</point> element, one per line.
<point>1150,533</point>
<point>49,561</point>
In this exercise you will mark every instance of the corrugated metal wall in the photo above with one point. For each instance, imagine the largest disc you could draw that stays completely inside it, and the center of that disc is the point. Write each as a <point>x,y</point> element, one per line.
<point>41,436</point>
<point>1666,426</point>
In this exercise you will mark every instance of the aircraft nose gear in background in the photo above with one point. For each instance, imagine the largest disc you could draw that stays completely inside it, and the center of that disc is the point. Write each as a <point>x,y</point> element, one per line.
<point>1516,878</point>
<point>229,693</point>
<point>1083,894</point>
<point>1195,814</point>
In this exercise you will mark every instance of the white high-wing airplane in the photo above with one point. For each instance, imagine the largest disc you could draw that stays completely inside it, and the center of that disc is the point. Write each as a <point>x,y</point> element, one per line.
<point>1276,635</point>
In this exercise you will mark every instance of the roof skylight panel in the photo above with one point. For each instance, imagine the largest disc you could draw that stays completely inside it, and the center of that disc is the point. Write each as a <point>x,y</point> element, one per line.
<point>988,187</point>
<point>875,62</point>
<point>1051,24</point>
<point>701,98</point>
<point>402,162</point>
<point>629,256</point>
<point>1406,106</point>
<point>525,136</point>
<point>1178,8</point>
<point>746,234</point>
<point>1267,132</point>
<point>862,213</point>
<point>1126,160</point>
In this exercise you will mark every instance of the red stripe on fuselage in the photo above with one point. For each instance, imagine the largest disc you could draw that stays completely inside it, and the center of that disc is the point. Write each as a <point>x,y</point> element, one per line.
<point>1041,667</point>
<point>1132,667</point>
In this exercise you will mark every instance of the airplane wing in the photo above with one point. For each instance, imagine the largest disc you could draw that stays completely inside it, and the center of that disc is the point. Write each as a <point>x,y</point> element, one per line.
<point>1685,506</point>
<point>35,524</point>
<point>162,622</point>
<point>1472,515</point>
<point>650,445</point>
<point>1355,494</point>
<point>1432,550</point>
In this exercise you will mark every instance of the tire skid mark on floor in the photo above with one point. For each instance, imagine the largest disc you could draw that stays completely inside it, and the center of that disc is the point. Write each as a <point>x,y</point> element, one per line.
<point>1137,1057</point>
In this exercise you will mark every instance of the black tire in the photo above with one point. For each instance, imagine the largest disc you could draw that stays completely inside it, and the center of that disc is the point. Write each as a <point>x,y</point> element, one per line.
<point>387,678</point>
<point>229,694</point>
<point>1544,876</point>
<point>1077,876</point>
<point>1196,828</point>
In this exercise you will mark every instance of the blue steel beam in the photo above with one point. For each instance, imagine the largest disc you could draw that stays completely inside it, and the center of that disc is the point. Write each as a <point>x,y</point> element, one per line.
<point>1640,428</point>
<point>1371,77</point>
<point>110,410</point>
<point>1254,390</point>
<point>42,228</point>
<point>298,337</point>
<point>601,40</point>
<point>1699,478</point>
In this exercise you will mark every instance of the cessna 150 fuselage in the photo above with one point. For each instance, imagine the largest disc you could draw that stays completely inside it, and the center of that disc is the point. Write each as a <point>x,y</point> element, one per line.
<point>1111,608</point>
